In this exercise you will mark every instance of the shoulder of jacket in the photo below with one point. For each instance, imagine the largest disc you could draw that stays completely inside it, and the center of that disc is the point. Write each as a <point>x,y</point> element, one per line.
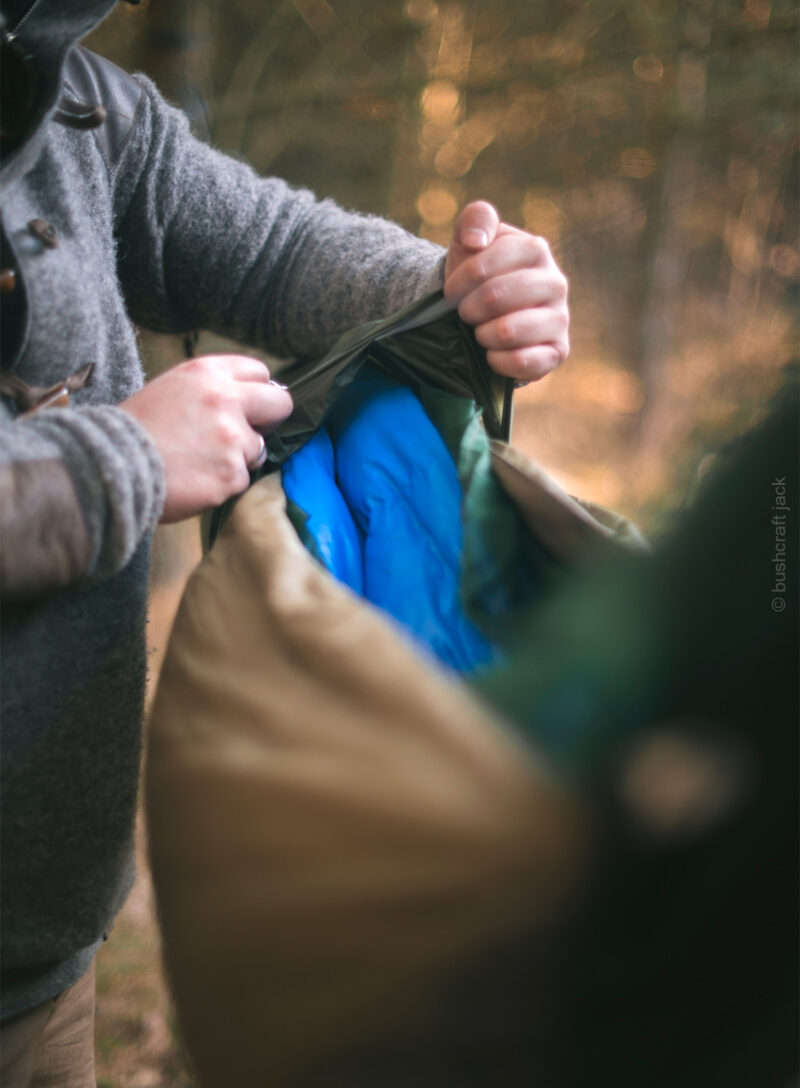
<point>91,81</point>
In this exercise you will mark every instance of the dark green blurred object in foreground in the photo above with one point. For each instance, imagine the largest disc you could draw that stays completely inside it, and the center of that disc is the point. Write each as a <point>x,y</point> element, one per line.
<point>667,687</point>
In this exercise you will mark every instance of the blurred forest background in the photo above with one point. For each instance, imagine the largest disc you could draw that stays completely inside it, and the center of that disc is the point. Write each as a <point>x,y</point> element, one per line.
<point>654,143</point>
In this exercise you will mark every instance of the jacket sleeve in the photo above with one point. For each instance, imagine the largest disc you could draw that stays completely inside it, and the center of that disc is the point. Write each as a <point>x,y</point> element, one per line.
<point>78,492</point>
<point>204,242</point>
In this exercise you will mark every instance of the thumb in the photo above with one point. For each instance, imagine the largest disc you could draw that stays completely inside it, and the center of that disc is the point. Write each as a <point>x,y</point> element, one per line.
<point>474,230</point>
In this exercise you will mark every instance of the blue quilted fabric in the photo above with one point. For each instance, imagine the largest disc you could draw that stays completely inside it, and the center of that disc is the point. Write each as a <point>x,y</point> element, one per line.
<point>309,480</point>
<point>381,493</point>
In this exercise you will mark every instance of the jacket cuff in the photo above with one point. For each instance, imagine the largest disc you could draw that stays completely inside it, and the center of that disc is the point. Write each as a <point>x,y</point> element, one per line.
<point>119,477</point>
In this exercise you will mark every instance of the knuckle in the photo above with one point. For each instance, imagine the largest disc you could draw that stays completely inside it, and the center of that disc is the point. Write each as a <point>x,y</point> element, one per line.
<point>480,269</point>
<point>227,435</point>
<point>493,294</point>
<point>506,331</point>
<point>234,474</point>
<point>538,248</point>
<point>533,363</point>
<point>512,363</point>
<point>217,492</point>
<point>525,364</point>
<point>560,286</point>
<point>215,399</point>
<point>551,358</point>
<point>202,366</point>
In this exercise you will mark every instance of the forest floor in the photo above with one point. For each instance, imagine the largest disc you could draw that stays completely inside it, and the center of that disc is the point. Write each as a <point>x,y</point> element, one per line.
<point>136,1040</point>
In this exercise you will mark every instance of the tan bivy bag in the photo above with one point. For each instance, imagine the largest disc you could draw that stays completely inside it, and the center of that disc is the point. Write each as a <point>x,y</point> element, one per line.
<point>363,877</point>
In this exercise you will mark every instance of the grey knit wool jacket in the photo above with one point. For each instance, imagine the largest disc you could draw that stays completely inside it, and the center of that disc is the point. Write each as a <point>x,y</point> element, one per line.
<point>141,223</point>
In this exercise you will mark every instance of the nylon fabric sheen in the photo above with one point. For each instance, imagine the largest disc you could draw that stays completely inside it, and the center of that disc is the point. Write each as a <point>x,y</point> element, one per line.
<point>384,505</point>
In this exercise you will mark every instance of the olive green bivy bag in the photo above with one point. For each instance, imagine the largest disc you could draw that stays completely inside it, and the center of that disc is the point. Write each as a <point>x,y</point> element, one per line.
<point>363,875</point>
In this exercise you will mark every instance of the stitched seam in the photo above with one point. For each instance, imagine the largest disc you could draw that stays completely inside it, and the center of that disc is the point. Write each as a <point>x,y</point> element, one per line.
<point>98,139</point>
<point>133,121</point>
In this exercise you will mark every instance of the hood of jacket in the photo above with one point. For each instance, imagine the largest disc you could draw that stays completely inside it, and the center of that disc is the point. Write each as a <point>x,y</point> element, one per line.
<point>40,33</point>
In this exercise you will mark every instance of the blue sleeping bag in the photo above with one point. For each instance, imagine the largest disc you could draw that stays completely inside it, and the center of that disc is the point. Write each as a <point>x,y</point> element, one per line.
<point>309,480</point>
<point>381,503</point>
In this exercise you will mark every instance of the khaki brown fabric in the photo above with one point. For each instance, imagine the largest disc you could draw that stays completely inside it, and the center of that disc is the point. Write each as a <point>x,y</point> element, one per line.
<point>566,526</point>
<point>362,877</point>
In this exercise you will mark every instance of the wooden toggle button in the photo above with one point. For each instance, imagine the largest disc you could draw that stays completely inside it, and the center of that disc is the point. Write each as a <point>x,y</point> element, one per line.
<point>44,231</point>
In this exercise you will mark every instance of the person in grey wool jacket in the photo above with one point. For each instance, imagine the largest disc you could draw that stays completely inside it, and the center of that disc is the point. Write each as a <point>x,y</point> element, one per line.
<point>114,214</point>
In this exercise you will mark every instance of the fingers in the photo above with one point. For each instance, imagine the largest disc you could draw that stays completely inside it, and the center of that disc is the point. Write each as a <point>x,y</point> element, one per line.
<point>260,405</point>
<point>525,328</point>
<point>512,291</point>
<point>257,456</point>
<point>201,416</point>
<point>526,364</point>
<point>476,226</point>
<point>505,294</point>
<point>265,406</point>
<point>243,368</point>
<point>511,250</point>
<point>241,386</point>
<point>474,229</point>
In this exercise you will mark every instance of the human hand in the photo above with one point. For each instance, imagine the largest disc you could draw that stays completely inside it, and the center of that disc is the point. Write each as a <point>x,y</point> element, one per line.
<point>201,416</point>
<point>509,287</point>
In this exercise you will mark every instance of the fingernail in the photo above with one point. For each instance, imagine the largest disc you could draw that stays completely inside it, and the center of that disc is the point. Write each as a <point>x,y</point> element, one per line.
<point>475,237</point>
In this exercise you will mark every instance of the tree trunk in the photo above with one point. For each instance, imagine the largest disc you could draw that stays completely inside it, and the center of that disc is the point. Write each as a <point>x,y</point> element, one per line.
<point>665,262</point>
